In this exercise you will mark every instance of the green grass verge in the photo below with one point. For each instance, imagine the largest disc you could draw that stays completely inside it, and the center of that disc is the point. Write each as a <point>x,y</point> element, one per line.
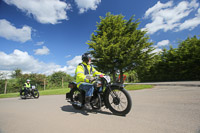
<point>54,92</point>
<point>46,92</point>
<point>138,87</point>
<point>64,91</point>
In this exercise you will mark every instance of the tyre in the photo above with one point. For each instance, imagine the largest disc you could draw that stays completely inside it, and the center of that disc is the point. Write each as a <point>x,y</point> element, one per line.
<point>36,94</point>
<point>118,101</point>
<point>77,98</point>
<point>22,94</point>
<point>96,102</point>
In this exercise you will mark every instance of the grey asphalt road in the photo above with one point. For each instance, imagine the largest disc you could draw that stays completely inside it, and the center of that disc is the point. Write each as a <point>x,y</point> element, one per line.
<point>163,109</point>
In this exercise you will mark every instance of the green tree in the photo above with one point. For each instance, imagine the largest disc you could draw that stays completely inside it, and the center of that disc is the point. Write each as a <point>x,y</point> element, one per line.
<point>58,78</point>
<point>17,73</point>
<point>189,58</point>
<point>182,63</point>
<point>117,45</point>
<point>4,76</point>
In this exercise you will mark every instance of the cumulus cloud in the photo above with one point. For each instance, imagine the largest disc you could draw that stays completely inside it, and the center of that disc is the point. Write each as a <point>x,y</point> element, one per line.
<point>191,23</point>
<point>157,7</point>
<point>43,51</point>
<point>163,43</point>
<point>160,44</point>
<point>10,32</point>
<point>72,64</point>
<point>169,16</point>
<point>28,64</point>
<point>19,59</point>
<point>44,11</point>
<point>85,5</point>
<point>157,50</point>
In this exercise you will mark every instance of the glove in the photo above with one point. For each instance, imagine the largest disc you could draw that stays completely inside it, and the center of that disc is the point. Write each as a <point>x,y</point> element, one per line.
<point>91,79</point>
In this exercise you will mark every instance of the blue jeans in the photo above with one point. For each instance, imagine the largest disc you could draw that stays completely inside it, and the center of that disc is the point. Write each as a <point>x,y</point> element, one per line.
<point>88,88</point>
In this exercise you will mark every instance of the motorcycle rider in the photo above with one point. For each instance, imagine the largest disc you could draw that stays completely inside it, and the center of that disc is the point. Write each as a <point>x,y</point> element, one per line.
<point>85,74</point>
<point>27,86</point>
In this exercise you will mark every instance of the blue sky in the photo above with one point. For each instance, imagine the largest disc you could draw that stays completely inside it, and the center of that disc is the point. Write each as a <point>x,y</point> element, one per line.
<point>50,35</point>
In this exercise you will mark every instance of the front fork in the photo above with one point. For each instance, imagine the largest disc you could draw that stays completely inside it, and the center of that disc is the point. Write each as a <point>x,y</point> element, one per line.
<point>112,93</point>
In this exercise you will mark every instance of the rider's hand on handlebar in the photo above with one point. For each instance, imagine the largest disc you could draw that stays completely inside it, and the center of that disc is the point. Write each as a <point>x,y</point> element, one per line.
<point>91,79</point>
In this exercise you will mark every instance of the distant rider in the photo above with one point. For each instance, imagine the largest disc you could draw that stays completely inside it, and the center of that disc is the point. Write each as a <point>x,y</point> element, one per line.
<point>27,86</point>
<point>85,74</point>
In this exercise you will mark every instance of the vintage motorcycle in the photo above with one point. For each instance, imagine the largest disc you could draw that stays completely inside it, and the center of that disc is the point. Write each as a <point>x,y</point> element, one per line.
<point>29,92</point>
<point>111,95</point>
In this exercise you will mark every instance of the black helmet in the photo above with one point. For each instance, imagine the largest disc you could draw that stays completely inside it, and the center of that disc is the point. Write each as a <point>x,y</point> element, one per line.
<point>86,57</point>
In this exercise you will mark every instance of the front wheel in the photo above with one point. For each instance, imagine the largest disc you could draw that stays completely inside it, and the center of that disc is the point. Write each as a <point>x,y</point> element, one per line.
<point>118,101</point>
<point>22,94</point>
<point>36,94</point>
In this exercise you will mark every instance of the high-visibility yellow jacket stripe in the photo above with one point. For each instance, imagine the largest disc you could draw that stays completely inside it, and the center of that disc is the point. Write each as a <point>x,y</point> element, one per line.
<point>81,77</point>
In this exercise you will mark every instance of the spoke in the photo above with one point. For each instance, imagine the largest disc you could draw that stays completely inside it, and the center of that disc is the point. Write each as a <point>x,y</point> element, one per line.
<point>118,107</point>
<point>114,106</point>
<point>123,102</point>
<point>119,94</point>
<point>121,105</point>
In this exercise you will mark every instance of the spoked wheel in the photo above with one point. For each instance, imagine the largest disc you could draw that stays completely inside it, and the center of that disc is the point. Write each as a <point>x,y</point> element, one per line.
<point>22,94</point>
<point>119,101</point>
<point>77,99</point>
<point>36,94</point>
<point>96,102</point>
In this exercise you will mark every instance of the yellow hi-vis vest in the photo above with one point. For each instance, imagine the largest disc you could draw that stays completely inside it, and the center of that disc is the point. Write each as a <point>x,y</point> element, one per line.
<point>82,70</point>
<point>28,85</point>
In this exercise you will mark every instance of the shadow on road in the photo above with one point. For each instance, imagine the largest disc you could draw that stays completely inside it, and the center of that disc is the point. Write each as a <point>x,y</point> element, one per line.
<point>69,108</point>
<point>28,98</point>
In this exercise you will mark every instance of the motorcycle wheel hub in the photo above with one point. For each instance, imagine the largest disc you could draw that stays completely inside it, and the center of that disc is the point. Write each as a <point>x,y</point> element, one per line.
<point>116,101</point>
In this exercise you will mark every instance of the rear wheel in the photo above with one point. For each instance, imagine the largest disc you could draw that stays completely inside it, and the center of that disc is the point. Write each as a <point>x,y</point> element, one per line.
<point>96,102</point>
<point>118,101</point>
<point>77,98</point>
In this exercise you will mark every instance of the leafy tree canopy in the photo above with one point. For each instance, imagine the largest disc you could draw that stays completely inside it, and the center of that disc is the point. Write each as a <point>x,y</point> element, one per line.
<point>117,44</point>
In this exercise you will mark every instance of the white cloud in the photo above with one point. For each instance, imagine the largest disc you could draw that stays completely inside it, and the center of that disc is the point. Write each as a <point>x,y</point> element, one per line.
<point>5,74</point>
<point>10,32</point>
<point>157,7</point>
<point>75,61</point>
<point>157,50</point>
<point>168,16</point>
<point>71,65</point>
<point>39,43</point>
<point>28,64</point>
<point>160,44</point>
<point>19,59</point>
<point>191,23</point>
<point>85,5</point>
<point>43,51</point>
<point>44,11</point>
<point>163,43</point>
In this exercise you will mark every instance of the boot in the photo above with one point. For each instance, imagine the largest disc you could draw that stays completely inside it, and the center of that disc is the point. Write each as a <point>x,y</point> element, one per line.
<point>87,103</point>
